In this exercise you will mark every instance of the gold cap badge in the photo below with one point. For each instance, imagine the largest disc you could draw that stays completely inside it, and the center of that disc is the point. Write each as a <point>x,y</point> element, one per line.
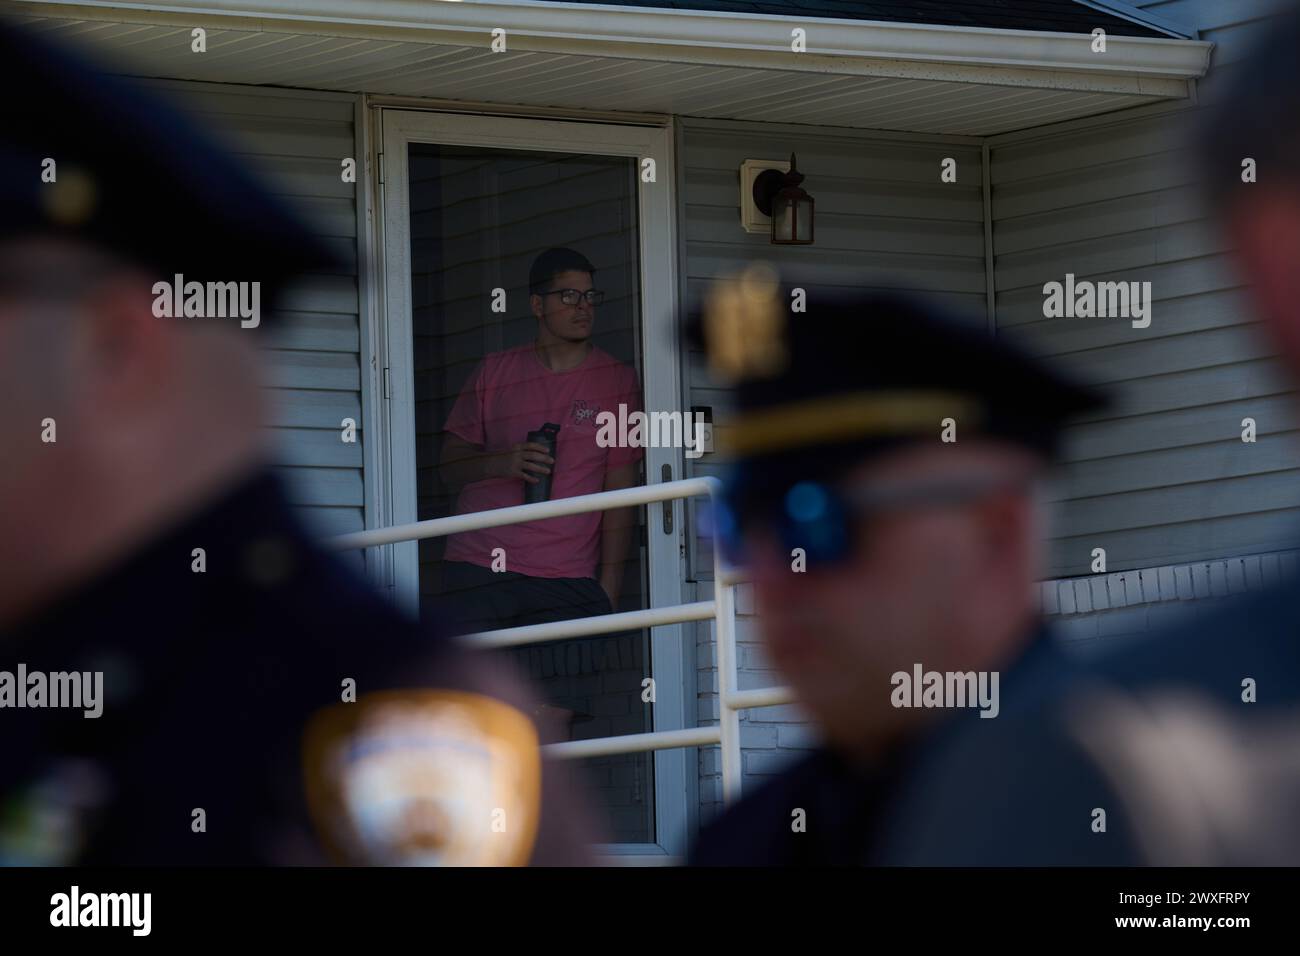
<point>745,326</point>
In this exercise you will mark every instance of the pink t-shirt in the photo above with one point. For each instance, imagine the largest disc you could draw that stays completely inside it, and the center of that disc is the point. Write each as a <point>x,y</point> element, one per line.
<point>508,395</point>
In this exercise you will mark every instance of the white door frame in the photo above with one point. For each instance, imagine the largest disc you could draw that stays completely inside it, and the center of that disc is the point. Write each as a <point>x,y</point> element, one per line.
<point>390,366</point>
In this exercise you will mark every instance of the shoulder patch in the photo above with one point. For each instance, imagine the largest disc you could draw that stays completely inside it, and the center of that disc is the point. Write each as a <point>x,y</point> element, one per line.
<point>424,778</point>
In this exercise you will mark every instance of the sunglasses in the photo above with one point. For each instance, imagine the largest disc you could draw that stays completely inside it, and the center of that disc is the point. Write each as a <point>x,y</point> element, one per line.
<point>829,522</point>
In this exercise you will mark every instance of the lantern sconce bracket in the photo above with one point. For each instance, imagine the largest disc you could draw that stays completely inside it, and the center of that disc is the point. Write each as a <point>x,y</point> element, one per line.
<point>766,186</point>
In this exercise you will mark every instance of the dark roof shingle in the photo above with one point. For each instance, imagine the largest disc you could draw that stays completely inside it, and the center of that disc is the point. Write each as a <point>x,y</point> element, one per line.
<point>1055,16</point>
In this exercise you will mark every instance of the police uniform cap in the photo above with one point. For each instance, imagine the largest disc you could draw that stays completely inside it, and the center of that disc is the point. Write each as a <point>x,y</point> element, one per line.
<point>861,372</point>
<point>136,178</point>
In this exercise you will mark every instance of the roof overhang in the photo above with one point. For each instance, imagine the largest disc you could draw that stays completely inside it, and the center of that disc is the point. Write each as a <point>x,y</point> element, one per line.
<point>857,73</point>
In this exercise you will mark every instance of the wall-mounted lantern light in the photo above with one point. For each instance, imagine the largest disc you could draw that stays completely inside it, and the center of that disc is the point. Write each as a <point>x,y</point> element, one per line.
<point>778,194</point>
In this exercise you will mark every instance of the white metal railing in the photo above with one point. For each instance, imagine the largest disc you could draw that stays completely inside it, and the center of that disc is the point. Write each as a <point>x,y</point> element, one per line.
<point>722,609</point>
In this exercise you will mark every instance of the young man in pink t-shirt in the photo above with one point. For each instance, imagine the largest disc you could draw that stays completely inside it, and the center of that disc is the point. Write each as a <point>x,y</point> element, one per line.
<point>561,567</point>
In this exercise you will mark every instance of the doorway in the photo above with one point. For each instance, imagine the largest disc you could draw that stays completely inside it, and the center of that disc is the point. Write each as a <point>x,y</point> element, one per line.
<point>470,203</point>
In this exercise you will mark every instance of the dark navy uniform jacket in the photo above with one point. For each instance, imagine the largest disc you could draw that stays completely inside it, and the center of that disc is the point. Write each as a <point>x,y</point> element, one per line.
<point>848,807</point>
<point>1020,793</point>
<point>209,679</point>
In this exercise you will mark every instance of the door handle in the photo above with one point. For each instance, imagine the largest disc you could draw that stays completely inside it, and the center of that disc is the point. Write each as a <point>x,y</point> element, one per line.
<point>667,476</point>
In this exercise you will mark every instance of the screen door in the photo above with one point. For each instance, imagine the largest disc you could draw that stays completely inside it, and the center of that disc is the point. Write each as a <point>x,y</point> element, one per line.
<point>470,204</point>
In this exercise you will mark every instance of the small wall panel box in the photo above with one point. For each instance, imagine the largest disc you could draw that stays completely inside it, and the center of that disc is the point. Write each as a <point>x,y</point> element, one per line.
<point>750,217</point>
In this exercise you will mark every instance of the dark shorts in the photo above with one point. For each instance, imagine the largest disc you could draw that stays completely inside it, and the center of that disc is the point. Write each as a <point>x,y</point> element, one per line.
<point>478,599</point>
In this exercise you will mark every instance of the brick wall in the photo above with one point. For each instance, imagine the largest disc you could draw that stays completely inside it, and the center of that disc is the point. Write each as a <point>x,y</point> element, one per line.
<point>770,737</point>
<point>1101,606</point>
<point>598,680</point>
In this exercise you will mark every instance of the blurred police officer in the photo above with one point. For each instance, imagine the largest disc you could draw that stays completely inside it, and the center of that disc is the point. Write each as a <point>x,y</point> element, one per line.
<point>247,686</point>
<point>1182,747</point>
<point>883,498</point>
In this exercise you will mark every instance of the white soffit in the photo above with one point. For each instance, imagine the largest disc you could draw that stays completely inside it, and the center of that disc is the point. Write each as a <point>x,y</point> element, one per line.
<point>908,77</point>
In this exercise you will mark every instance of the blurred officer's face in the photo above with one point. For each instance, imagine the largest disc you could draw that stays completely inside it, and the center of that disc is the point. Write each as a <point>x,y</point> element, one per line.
<point>948,587</point>
<point>115,420</point>
<point>564,322</point>
<point>1265,228</point>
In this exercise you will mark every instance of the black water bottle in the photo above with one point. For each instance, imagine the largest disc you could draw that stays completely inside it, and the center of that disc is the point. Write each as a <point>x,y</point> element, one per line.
<point>541,491</point>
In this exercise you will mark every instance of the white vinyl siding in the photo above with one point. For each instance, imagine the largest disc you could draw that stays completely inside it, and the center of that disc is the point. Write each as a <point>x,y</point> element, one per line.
<point>297,140</point>
<point>882,217</point>
<point>1163,477</point>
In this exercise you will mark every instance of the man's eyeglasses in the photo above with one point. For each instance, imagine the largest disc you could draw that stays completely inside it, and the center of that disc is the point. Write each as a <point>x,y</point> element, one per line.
<point>828,521</point>
<point>571,296</point>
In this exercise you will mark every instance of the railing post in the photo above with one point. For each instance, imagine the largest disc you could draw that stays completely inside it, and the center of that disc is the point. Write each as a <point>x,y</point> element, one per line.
<point>724,597</point>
